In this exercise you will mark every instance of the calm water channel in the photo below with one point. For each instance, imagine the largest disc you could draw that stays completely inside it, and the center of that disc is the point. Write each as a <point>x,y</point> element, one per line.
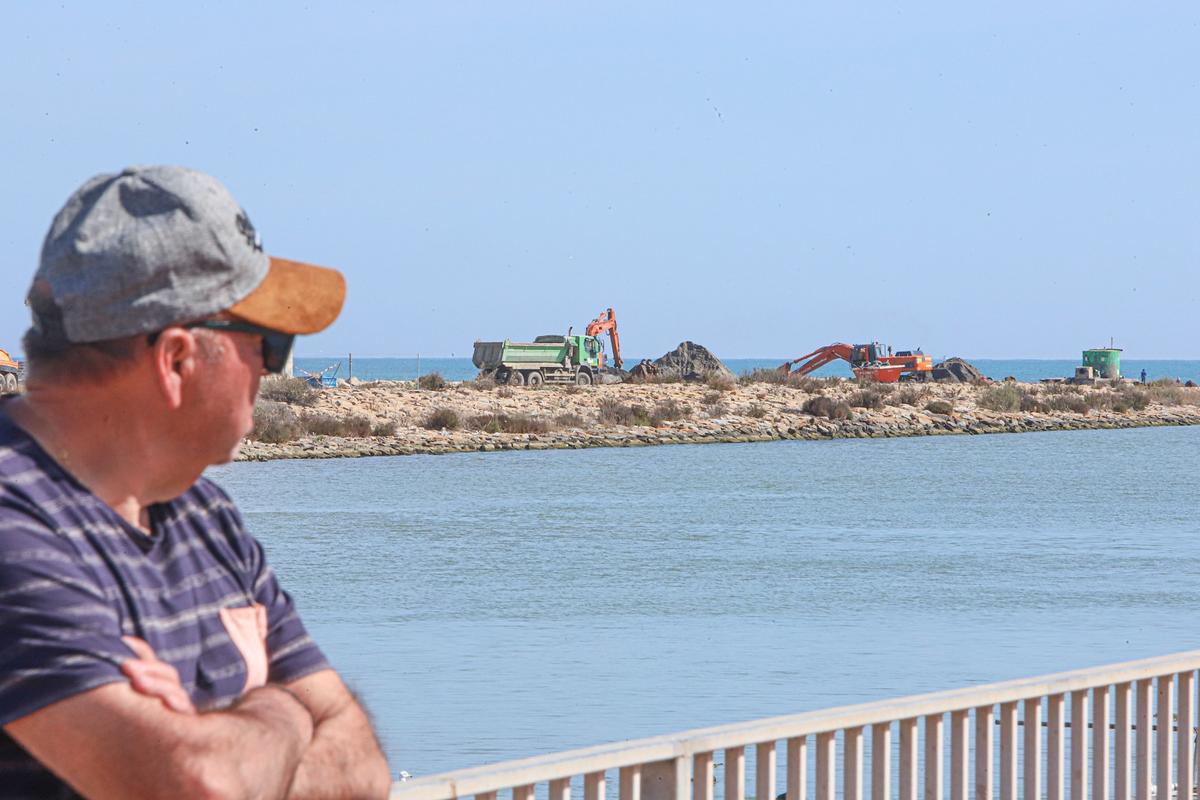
<point>502,605</point>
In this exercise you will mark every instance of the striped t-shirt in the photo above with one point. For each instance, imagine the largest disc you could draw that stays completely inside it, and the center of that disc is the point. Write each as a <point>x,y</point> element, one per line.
<point>75,577</point>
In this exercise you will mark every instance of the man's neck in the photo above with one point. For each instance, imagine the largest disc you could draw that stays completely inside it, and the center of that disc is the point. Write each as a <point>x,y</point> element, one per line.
<point>102,442</point>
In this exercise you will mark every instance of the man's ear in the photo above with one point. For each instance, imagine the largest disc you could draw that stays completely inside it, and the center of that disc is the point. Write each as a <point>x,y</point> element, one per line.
<point>175,362</point>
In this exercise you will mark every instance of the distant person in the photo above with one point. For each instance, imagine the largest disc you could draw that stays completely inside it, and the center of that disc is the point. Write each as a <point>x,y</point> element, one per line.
<point>147,648</point>
<point>1143,376</point>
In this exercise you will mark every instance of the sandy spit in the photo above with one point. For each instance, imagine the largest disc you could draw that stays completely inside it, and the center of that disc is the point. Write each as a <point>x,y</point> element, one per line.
<point>754,412</point>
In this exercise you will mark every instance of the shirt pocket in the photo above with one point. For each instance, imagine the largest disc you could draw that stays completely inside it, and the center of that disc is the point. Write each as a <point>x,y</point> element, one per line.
<point>247,629</point>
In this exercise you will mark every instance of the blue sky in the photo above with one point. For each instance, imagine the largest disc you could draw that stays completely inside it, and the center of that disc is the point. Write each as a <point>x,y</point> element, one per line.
<point>998,180</point>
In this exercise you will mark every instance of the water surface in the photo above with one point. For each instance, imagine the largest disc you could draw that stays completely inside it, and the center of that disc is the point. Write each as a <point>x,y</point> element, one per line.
<point>500,605</point>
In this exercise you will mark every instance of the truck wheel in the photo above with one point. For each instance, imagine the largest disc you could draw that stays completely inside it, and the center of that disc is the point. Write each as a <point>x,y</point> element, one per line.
<point>10,382</point>
<point>583,378</point>
<point>515,378</point>
<point>534,378</point>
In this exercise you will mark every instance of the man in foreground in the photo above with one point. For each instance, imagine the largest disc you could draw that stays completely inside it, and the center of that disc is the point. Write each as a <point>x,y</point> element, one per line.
<point>146,648</point>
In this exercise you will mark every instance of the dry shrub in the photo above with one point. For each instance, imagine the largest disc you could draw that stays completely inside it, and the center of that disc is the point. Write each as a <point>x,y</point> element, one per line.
<point>756,411</point>
<point>667,411</point>
<point>665,377</point>
<point>275,423</point>
<point>284,389</point>
<point>939,407</point>
<point>614,412</point>
<point>484,382</point>
<point>569,420</point>
<point>804,383</point>
<point>715,410</point>
<point>433,381</point>
<point>722,383</point>
<point>1169,393</point>
<point>824,407</point>
<point>1031,404</point>
<point>572,388</point>
<point>329,425</point>
<point>867,398</point>
<point>1062,388</point>
<point>1006,397</point>
<point>909,396</point>
<point>711,397</point>
<point>1066,401</point>
<point>442,419</point>
<point>1130,398</point>
<point>504,391</point>
<point>387,428</point>
<point>510,423</point>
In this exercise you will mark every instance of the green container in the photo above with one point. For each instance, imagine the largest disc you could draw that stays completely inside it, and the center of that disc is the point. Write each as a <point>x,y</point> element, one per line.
<point>1105,360</point>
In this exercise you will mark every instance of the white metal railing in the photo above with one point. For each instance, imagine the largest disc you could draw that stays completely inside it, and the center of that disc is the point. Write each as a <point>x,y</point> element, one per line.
<point>1125,755</point>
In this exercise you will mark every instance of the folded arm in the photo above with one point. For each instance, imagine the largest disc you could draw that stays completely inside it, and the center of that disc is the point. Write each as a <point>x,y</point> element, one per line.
<point>344,758</point>
<point>133,746</point>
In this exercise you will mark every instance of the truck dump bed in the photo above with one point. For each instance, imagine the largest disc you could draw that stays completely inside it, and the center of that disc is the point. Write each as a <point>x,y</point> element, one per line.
<point>490,355</point>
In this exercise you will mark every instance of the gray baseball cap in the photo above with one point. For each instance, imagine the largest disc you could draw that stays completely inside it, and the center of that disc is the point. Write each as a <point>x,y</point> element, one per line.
<point>151,247</point>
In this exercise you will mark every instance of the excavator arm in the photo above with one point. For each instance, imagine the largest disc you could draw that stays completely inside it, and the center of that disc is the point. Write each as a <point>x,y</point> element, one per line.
<point>817,359</point>
<point>607,323</point>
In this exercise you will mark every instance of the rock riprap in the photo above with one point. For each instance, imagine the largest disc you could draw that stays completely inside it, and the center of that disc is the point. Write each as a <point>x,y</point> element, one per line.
<point>692,360</point>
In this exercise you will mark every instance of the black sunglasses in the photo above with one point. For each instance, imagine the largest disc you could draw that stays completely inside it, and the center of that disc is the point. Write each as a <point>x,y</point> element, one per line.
<point>275,345</point>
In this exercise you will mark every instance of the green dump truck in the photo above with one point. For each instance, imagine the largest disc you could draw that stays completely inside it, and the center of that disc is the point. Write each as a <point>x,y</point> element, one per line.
<point>547,359</point>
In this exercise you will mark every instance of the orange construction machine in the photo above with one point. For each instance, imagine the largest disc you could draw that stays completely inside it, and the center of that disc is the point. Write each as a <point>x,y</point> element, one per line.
<point>607,323</point>
<point>9,371</point>
<point>872,361</point>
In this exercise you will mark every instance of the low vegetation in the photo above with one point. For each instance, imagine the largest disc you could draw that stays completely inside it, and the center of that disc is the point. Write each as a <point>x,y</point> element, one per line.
<point>939,407</point>
<point>821,406</point>
<point>286,389</point>
<point>277,423</point>
<point>432,381</point>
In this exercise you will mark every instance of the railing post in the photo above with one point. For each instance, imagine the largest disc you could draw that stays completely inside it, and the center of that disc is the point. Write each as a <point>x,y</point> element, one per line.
<point>1123,769</point>
<point>1079,745</point>
<point>1033,748</point>
<point>1100,740</point>
<point>960,749</point>
<point>1008,751</point>
<point>1145,738</point>
<point>702,777</point>
<point>985,722</point>
<point>1055,730</point>
<point>1186,772</point>
<point>1166,720</point>
<point>881,761</point>
<point>593,787</point>
<point>764,771</point>
<point>560,789</point>
<point>933,757</point>
<point>797,768</point>
<point>908,759</point>
<point>631,784</point>
<point>852,763</point>
<point>666,780</point>
<point>826,757</point>
<point>735,773</point>
<point>522,792</point>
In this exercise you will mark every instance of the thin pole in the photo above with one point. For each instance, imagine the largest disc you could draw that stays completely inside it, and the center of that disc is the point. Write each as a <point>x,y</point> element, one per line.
<point>351,360</point>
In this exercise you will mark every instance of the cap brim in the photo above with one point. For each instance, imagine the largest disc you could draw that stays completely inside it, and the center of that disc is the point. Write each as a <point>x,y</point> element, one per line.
<point>294,298</point>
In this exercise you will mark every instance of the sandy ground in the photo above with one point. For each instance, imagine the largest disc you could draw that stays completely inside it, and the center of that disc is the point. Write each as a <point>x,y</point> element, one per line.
<point>674,413</point>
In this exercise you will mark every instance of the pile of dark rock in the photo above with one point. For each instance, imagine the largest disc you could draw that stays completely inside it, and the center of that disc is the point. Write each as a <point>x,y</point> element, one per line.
<point>956,370</point>
<point>691,361</point>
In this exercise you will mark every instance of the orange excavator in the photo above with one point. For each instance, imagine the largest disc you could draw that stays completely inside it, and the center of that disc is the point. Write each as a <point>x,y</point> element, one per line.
<point>607,323</point>
<point>872,361</point>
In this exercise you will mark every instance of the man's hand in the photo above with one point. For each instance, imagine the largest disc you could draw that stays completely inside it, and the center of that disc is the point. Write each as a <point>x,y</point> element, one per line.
<point>155,678</point>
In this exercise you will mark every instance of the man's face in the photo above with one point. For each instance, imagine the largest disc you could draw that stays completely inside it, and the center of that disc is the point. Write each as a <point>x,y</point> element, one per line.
<point>230,370</point>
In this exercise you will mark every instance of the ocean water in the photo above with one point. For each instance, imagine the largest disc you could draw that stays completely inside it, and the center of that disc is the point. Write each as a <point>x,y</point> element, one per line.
<point>461,369</point>
<point>494,606</point>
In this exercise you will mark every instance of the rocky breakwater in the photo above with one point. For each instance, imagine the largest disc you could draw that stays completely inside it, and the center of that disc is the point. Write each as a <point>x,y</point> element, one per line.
<point>400,418</point>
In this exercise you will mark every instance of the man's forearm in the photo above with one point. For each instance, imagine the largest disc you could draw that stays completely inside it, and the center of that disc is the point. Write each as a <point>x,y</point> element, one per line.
<point>343,760</point>
<point>256,746</point>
